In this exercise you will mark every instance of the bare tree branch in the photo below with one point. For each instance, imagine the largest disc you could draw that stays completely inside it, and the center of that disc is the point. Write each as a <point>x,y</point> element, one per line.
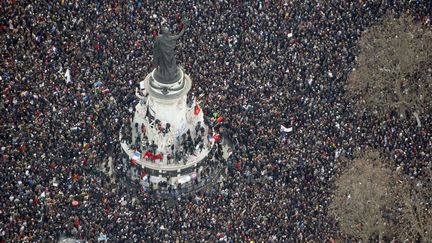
<point>361,196</point>
<point>393,67</point>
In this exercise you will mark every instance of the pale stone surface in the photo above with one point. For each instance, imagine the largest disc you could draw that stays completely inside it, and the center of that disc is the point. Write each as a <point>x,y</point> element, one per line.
<point>167,103</point>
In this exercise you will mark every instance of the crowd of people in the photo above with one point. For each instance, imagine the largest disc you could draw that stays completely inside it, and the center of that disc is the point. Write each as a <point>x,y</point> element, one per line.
<point>69,70</point>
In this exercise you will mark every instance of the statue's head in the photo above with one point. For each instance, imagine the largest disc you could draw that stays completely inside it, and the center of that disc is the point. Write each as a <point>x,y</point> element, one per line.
<point>165,30</point>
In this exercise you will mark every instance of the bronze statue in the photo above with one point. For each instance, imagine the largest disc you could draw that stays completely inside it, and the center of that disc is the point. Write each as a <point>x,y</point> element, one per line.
<point>164,55</point>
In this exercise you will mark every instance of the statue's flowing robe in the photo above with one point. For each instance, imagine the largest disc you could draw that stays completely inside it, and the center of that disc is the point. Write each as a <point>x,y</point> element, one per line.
<point>164,58</point>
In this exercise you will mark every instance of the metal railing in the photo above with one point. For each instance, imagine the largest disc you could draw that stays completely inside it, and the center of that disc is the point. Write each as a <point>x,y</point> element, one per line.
<point>193,188</point>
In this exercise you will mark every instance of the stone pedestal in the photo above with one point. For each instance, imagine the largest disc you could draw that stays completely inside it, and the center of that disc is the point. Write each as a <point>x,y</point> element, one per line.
<point>167,104</point>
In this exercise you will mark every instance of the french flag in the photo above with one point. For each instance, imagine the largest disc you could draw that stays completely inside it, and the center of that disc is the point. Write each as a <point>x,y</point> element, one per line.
<point>136,156</point>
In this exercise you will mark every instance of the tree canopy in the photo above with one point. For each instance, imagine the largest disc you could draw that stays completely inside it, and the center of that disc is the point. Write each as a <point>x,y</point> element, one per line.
<point>393,69</point>
<point>373,200</point>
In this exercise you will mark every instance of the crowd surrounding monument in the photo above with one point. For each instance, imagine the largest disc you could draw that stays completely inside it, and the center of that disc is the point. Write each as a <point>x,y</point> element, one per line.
<point>267,76</point>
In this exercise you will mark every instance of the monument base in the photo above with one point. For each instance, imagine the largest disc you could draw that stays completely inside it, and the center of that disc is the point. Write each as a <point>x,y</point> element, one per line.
<point>167,80</point>
<point>176,148</point>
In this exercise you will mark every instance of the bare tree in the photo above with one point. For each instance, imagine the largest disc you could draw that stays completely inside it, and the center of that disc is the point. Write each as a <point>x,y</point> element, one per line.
<point>372,200</point>
<point>413,213</point>
<point>393,70</point>
<point>362,194</point>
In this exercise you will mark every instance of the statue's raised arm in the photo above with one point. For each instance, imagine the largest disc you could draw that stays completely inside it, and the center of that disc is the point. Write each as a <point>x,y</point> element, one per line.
<point>164,55</point>
<point>185,26</point>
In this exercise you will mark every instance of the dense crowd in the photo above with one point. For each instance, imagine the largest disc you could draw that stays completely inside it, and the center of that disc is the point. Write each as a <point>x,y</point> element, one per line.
<point>68,74</point>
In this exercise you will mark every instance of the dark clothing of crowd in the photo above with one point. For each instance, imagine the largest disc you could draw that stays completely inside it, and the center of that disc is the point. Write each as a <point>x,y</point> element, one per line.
<point>68,73</point>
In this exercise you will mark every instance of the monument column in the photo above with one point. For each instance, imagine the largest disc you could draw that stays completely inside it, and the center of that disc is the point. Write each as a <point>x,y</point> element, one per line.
<point>167,102</point>
<point>168,153</point>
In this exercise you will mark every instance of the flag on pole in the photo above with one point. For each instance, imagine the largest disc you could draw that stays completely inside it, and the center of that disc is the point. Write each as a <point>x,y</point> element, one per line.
<point>136,156</point>
<point>197,110</point>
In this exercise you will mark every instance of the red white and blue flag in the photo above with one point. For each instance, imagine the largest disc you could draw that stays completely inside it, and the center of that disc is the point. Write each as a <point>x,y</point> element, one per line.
<point>136,156</point>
